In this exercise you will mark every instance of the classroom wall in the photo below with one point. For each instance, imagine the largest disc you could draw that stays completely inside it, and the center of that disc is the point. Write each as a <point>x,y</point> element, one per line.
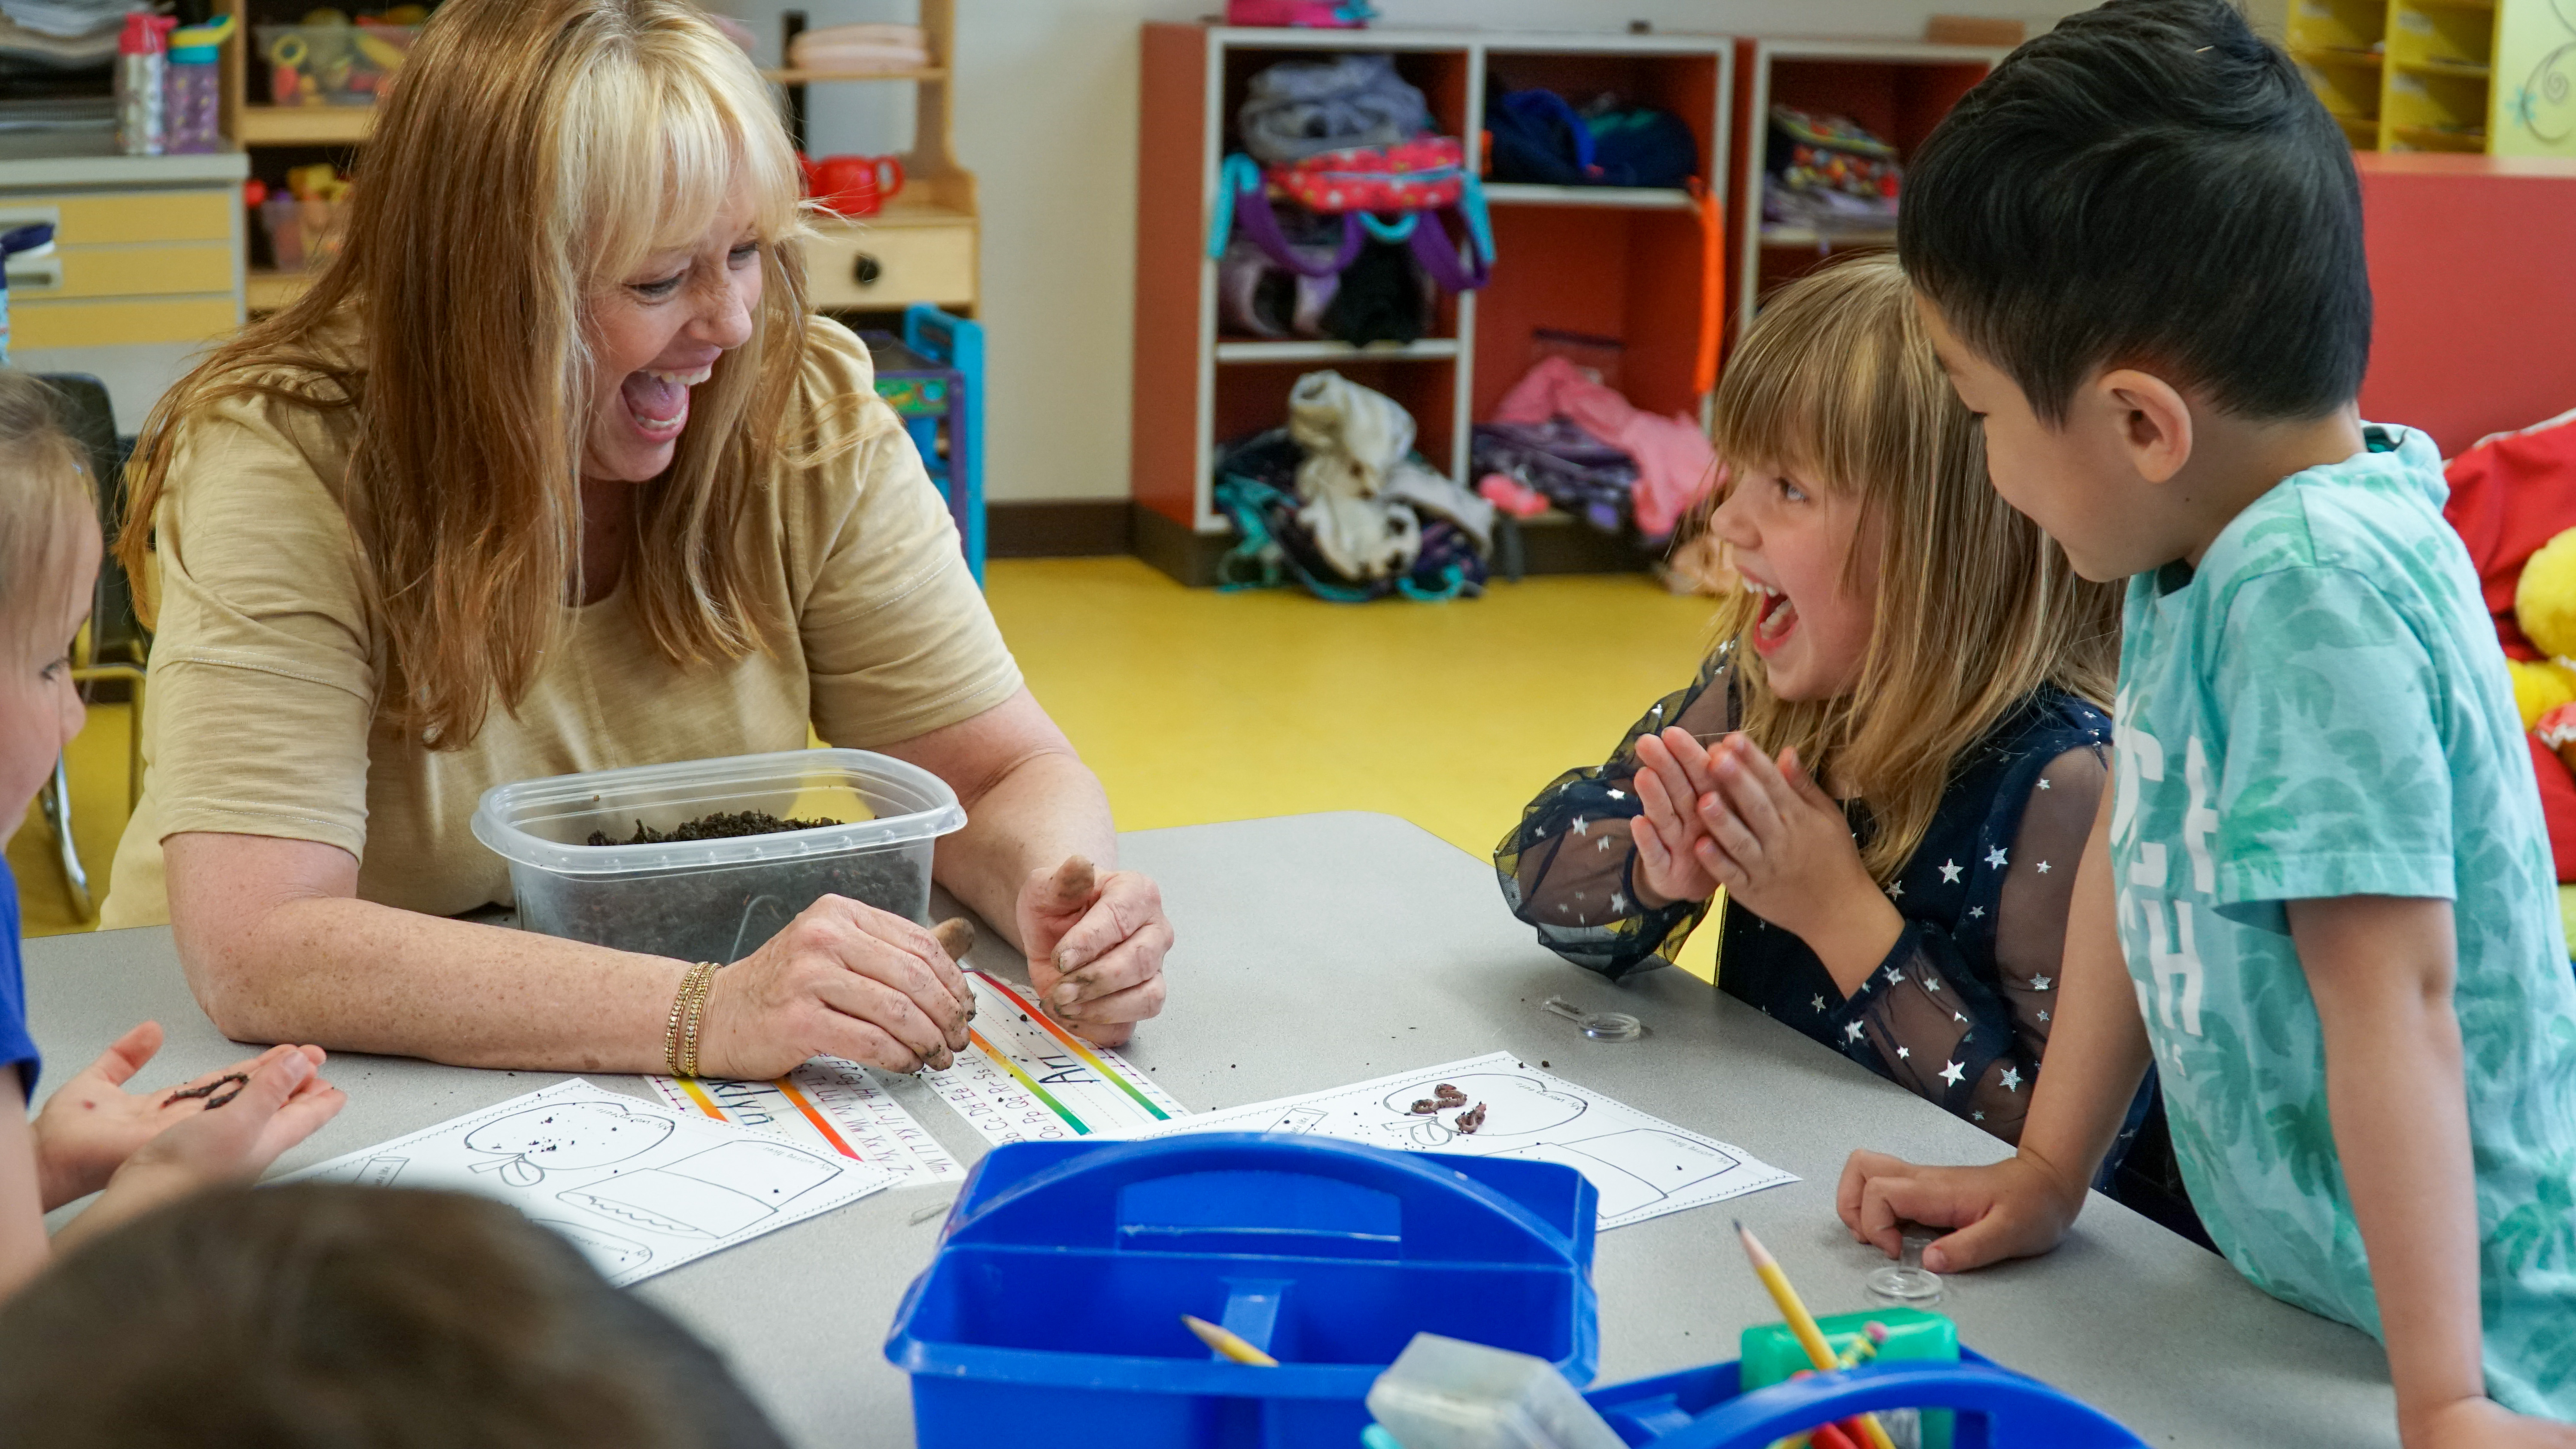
<point>1046,118</point>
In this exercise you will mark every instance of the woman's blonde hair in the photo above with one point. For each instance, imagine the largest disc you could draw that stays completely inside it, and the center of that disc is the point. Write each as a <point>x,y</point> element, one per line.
<point>46,496</point>
<point>1837,385</point>
<point>532,154</point>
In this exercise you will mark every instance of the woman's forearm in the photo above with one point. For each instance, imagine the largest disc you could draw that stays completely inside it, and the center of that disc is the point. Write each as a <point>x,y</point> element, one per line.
<point>303,964</point>
<point>1046,807</point>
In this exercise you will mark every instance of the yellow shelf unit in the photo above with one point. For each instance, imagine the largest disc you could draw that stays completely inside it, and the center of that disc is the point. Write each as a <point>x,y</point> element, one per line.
<point>2401,75</point>
<point>923,247</point>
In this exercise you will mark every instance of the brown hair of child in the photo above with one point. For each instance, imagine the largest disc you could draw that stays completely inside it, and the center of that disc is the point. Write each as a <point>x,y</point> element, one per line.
<point>318,1314</point>
<point>46,495</point>
<point>1837,382</point>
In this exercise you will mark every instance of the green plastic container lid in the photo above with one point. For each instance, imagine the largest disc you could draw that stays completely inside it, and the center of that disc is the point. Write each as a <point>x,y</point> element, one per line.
<point>1771,1353</point>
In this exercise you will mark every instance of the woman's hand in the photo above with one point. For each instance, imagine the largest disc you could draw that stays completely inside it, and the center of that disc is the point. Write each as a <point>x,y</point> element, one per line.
<point>91,1124</point>
<point>842,979</point>
<point>219,1139</point>
<point>1672,771</point>
<point>1096,946</point>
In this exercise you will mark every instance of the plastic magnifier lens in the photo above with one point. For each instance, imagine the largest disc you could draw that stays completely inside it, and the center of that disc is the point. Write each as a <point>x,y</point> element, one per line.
<point>1597,1025</point>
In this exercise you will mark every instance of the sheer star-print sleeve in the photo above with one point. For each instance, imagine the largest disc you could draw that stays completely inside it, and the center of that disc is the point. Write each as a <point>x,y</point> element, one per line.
<point>1968,1038</point>
<point>1566,866</point>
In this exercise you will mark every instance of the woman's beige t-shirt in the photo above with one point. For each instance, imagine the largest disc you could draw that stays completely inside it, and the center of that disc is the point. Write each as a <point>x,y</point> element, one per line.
<point>261,717</point>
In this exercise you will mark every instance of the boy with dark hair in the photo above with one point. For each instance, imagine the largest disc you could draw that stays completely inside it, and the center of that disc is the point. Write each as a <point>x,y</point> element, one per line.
<point>2319,896</point>
<point>320,1314</point>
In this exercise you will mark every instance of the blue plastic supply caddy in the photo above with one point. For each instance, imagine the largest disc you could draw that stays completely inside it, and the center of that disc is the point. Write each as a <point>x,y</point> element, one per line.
<point>1052,1311</point>
<point>1704,1408</point>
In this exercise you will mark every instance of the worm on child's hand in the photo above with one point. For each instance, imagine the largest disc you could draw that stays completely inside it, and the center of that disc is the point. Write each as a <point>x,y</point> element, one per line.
<point>207,1090</point>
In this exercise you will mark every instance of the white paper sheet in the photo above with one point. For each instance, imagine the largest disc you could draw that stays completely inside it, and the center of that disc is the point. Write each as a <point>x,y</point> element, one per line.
<point>638,1187</point>
<point>838,1106</point>
<point>1027,1079</point>
<point>1643,1167</point>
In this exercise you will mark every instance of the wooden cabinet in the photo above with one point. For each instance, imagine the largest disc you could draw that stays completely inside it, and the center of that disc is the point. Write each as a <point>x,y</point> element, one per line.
<point>147,267</point>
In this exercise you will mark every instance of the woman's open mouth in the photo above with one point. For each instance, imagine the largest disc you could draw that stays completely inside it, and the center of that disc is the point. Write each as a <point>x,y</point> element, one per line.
<point>657,401</point>
<point>1778,619</point>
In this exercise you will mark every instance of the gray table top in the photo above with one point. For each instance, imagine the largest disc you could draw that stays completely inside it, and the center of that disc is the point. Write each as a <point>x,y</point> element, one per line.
<point>1325,949</point>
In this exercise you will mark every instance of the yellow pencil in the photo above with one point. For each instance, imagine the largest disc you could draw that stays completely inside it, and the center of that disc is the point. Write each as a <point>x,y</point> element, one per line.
<point>1801,1323</point>
<point>1229,1343</point>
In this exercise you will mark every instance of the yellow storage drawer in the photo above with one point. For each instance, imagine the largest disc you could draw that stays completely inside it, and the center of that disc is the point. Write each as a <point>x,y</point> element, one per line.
<point>135,216</point>
<point>862,266</point>
<point>133,271</point>
<point>36,323</point>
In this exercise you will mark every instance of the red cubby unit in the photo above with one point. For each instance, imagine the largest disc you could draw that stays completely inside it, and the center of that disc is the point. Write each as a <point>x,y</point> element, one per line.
<point>1628,266</point>
<point>1898,90</point>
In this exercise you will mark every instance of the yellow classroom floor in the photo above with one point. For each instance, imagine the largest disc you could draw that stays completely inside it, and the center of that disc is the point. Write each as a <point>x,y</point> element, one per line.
<point>1196,706</point>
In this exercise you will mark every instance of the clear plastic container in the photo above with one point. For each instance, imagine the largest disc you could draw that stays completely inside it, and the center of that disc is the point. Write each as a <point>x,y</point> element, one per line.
<point>716,900</point>
<point>1445,1393</point>
<point>332,65</point>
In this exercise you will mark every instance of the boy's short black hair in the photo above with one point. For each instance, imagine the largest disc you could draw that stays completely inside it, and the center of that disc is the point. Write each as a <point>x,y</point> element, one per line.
<point>2148,185</point>
<point>324,1316</point>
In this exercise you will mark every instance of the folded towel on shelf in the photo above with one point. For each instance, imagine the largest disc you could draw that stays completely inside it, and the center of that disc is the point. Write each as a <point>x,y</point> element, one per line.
<point>69,19</point>
<point>27,44</point>
<point>860,48</point>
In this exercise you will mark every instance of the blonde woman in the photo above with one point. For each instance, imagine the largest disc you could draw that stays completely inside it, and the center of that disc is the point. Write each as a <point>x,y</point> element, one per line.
<point>551,471</point>
<point>1892,759</point>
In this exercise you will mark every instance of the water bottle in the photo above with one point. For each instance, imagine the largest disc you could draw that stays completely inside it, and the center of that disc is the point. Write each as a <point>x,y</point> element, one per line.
<point>142,58</point>
<point>193,114</point>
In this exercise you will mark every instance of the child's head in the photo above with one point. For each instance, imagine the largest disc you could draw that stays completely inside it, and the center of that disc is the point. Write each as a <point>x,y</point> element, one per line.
<point>49,552</point>
<point>317,1314</point>
<point>2141,234</point>
<point>1896,608</point>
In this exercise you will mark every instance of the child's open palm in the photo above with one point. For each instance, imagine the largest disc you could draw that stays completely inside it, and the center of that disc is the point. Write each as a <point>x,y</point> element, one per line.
<point>91,1124</point>
<point>1775,840</point>
<point>1672,771</point>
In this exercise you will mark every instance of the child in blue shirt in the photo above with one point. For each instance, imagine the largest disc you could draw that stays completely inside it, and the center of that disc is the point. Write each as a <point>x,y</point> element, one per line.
<point>134,1149</point>
<point>2319,899</point>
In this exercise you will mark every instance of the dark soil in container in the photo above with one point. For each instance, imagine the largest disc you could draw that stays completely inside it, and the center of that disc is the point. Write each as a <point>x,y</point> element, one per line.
<point>719,826</point>
<point>721,915</point>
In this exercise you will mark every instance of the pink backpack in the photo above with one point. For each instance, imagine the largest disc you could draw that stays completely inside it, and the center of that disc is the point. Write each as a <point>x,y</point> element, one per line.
<point>1301,14</point>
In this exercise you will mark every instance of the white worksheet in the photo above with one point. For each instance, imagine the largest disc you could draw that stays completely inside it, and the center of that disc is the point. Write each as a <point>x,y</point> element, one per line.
<point>1025,1078</point>
<point>839,1106</point>
<point>1642,1166</point>
<point>637,1186</point>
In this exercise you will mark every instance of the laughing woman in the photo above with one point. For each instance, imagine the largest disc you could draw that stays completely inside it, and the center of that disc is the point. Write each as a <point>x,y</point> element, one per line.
<point>551,471</point>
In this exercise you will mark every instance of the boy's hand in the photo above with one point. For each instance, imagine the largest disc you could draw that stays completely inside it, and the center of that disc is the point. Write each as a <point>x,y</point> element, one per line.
<point>91,1124</point>
<point>2016,1208</point>
<point>281,1105</point>
<point>2483,1424</point>
<point>1672,771</point>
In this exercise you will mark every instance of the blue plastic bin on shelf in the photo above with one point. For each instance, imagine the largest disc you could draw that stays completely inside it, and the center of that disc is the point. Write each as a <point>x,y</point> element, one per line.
<point>1703,1408</point>
<point>1052,1311</point>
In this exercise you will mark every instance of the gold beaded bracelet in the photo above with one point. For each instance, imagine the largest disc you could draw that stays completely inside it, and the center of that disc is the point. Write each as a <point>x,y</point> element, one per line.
<point>680,1037</point>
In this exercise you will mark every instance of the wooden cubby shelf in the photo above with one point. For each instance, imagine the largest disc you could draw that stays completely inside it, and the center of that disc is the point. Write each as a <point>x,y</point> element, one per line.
<point>1896,90</point>
<point>1620,264</point>
<point>1641,198</point>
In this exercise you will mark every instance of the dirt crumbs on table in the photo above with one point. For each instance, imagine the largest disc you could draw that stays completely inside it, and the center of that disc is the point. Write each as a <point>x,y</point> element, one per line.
<point>720,826</point>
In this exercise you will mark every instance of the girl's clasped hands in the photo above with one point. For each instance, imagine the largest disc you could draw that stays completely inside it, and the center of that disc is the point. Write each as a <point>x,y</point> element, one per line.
<point>1725,814</point>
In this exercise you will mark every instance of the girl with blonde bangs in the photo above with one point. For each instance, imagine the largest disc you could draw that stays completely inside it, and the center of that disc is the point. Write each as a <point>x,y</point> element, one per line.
<point>550,470</point>
<point>1890,761</point>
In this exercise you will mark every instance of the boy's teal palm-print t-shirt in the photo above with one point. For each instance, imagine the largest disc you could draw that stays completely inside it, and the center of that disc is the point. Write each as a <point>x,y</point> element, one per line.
<point>2321,710</point>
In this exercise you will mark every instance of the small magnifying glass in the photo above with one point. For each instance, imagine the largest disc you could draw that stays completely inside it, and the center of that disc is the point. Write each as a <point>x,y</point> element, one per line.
<point>1597,1025</point>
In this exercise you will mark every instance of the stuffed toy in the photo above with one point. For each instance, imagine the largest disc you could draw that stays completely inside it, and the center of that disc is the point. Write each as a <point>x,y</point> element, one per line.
<point>2513,500</point>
